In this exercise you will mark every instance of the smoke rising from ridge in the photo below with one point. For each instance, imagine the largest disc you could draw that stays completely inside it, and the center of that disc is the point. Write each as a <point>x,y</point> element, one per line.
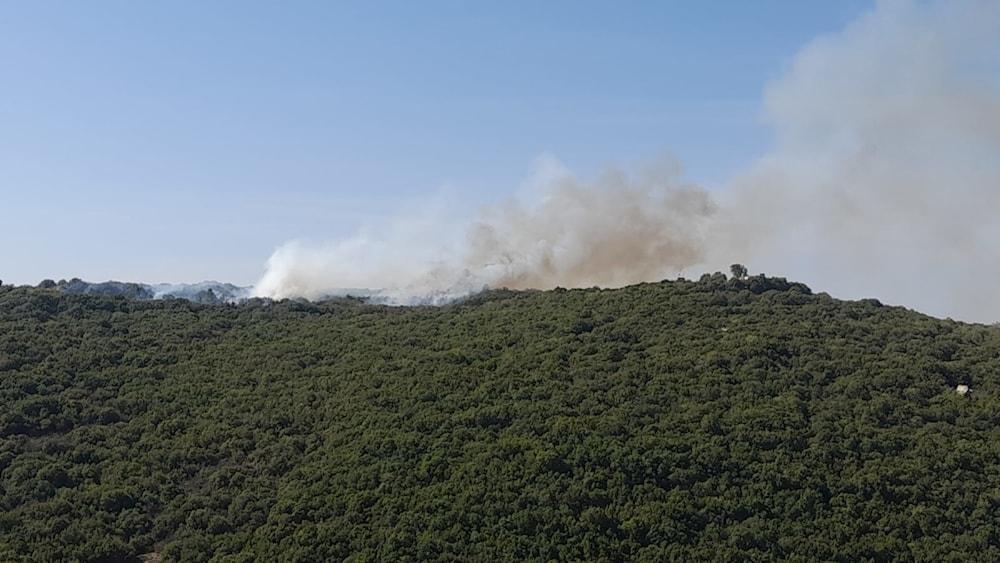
<point>622,228</point>
<point>885,177</point>
<point>884,181</point>
<point>619,230</point>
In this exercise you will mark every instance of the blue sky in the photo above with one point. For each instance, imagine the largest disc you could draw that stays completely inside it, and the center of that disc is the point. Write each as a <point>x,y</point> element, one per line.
<point>179,141</point>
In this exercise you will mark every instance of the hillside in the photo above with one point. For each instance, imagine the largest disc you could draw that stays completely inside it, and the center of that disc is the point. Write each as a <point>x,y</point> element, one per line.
<point>208,292</point>
<point>710,420</point>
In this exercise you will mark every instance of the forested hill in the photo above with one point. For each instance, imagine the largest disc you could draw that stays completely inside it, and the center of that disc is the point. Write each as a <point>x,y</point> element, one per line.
<point>714,420</point>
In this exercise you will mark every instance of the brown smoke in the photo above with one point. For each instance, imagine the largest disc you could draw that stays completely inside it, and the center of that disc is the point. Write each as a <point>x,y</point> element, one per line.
<point>618,230</point>
<point>622,228</point>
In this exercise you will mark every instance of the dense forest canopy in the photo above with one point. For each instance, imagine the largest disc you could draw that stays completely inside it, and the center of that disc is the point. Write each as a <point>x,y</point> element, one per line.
<point>723,419</point>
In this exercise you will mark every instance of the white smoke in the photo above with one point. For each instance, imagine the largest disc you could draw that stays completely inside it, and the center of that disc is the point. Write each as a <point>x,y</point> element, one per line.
<point>884,181</point>
<point>408,258</point>
<point>622,228</point>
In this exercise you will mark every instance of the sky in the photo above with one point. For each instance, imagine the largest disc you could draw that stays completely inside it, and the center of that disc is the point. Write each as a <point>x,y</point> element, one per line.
<point>182,141</point>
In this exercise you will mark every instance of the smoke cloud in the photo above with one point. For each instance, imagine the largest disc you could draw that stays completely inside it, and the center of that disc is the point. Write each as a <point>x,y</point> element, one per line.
<point>884,181</point>
<point>885,178</point>
<point>622,228</point>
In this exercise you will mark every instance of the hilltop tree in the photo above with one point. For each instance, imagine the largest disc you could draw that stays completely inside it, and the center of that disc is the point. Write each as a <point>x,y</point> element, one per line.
<point>739,271</point>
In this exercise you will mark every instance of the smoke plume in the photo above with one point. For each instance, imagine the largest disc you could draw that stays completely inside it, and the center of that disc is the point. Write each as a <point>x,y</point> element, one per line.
<point>885,177</point>
<point>883,181</point>
<point>622,228</point>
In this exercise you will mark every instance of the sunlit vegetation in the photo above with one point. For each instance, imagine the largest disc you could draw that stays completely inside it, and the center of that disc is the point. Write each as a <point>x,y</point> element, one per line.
<point>730,420</point>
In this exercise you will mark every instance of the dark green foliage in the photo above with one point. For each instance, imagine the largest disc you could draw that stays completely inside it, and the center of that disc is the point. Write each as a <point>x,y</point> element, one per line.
<point>729,420</point>
<point>739,271</point>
